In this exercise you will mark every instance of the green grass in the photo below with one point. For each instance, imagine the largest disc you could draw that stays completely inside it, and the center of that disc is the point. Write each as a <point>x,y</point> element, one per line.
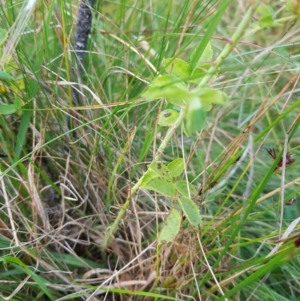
<point>65,185</point>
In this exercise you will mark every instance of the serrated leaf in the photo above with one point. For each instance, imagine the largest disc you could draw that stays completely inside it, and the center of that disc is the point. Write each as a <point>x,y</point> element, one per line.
<point>195,117</point>
<point>148,176</point>
<point>166,86</point>
<point>182,188</point>
<point>267,19</point>
<point>210,96</point>
<point>159,169</point>
<point>176,167</point>
<point>7,109</point>
<point>168,117</point>
<point>177,67</point>
<point>170,228</point>
<point>3,36</point>
<point>206,56</point>
<point>177,101</point>
<point>191,211</point>
<point>206,106</point>
<point>265,10</point>
<point>268,22</point>
<point>200,71</point>
<point>161,186</point>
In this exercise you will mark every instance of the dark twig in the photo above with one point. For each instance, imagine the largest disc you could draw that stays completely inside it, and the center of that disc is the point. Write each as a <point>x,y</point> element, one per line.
<point>289,159</point>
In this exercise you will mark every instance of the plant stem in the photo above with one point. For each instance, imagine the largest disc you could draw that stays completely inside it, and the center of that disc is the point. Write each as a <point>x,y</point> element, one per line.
<point>112,229</point>
<point>226,51</point>
<point>134,189</point>
<point>169,134</point>
<point>230,46</point>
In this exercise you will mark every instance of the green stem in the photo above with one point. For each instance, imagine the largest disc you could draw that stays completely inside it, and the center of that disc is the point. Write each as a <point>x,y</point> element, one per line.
<point>226,51</point>
<point>288,18</point>
<point>169,134</point>
<point>134,189</point>
<point>230,46</point>
<point>112,229</point>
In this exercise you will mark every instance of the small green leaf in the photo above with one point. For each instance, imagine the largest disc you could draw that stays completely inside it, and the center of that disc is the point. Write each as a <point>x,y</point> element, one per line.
<point>267,18</point>
<point>265,10</point>
<point>7,109</point>
<point>176,167</point>
<point>177,101</point>
<point>170,228</point>
<point>177,67</point>
<point>182,188</point>
<point>206,106</point>
<point>3,36</point>
<point>195,117</point>
<point>147,177</point>
<point>191,211</point>
<point>210,96</point>
<point>160,169</point>
<point>268,22</point>
<point>200,71</point>
<point>166,86</point>
<point>18,102</point>
<point>168,117</point>
<point>206,56</point>
<point>161,186</point>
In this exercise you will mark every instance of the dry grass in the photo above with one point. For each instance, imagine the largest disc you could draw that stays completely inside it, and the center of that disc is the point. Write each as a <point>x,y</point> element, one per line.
<point>62,192</point>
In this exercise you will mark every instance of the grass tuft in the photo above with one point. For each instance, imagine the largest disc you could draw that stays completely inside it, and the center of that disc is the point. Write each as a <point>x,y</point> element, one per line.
<point>75,221</point>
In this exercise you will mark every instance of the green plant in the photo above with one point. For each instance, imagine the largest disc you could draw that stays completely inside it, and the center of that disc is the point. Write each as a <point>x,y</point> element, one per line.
<point>175,88</point>
<point>180,155</point>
